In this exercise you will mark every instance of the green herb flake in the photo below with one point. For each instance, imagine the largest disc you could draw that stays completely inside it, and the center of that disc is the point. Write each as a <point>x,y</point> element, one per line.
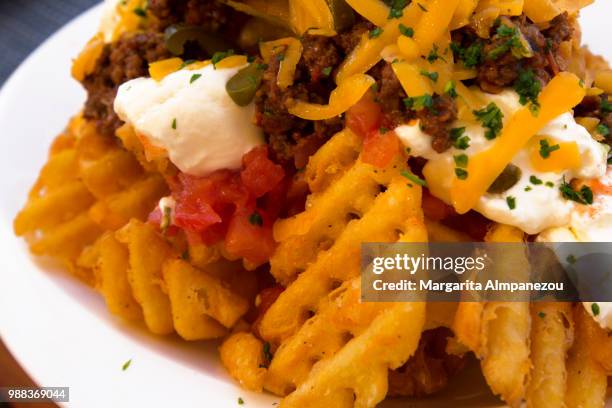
<point>450,89</point>
<point>375,33</point>
<point>174,124</point>
<point>528,87</point>
<point>584,196</point>
<point>471,56</point>
<point>550,184</point>
<point>240,401</point>
<point>546,149</point>
<point>571,259</point>
<point>603,130</point>
<point>511,201</point>
<point>414,178</point>
<point>461,160</point>
<point>528,188</point>
<point>266,352</point>
<point>220,56</point>
<point>327,71</point>
<point>595,309</point>
<point>605,106</point>
<point>186,63</point>
<point>460,140</point>
<point>419,102</point>
<point>541,315</point>
<point>535,181</point>
<point>126,365</point>
<point>491,119</point>
<point>140,12</point>
<point>397,8</point>
<point>431,75</point>
<point>256,219</point>
<point>461,174</point>
<point>433,55</point>
<point>407,31</point>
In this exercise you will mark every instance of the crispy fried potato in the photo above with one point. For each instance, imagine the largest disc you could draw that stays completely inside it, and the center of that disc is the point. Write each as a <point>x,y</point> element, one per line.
<point>552,335</point>
<point>242,355</point>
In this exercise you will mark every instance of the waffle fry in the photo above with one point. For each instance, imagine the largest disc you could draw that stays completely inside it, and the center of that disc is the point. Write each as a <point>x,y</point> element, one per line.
<point>586,379</point>
<point>242,355</point>
<point>552,335</point>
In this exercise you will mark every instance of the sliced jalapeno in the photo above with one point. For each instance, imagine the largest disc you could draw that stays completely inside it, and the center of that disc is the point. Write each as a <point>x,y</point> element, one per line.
<point>177,35</point>
<point>243,86</point>
<point>506,180</point>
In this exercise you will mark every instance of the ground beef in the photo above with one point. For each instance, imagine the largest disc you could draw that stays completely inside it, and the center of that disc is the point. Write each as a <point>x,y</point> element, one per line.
<point>390,95</point>
<point>591,106</point>
<point>348,40</point>
<point>428,370</point>
<point>437,120</point>
<point>496,74</point>
<point>210,14</point>
<point>126,59</point>
<point>293,139</point>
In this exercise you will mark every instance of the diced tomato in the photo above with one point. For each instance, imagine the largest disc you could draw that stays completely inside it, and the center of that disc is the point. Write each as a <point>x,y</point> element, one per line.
<point>260,175</point>
<point>365,116</point>
<point>221,205</point>
<point>250,236</point>
<point>436,209</point>
<point>379,149</point>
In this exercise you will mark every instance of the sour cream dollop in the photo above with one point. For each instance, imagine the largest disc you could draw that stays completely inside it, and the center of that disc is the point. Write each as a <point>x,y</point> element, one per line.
<point>190,115</point>
<point>592,223</point>
<point>538,207</point>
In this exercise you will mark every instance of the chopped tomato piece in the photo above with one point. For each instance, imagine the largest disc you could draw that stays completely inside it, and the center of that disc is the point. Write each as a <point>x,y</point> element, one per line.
<point>365,116</point>
<point>379,149</point>
<point>250,236</point>
<point>260,175</point>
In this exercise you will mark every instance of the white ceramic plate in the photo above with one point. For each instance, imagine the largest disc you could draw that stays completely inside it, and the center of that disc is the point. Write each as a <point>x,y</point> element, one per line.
<point>58,329</point>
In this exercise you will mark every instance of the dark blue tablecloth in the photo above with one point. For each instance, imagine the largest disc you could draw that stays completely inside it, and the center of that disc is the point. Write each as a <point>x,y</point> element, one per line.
<point>24,24</point>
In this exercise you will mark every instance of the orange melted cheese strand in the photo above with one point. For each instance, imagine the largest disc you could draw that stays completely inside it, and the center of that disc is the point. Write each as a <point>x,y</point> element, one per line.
<point>559,96</point>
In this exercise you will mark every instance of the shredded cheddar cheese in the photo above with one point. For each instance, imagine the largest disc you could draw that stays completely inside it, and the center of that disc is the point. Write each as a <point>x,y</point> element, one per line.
<point>566,157</point>
<point>291,51</point>
<point>85,63</point>
<point>311,14</point>
<point>348,93</point>
<point>375,11</point>
<point>559,96</point>
<point>434,23</point>
<point>412,81</point>
<point>161,69</point>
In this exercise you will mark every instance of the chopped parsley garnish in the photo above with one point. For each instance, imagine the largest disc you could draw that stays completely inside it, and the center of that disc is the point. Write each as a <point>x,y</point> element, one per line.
<point>327,71</point>
<point>220,56</point>
<point>541,315</point>
<point>431,75</point>
<point>461,160</point>
<point>571,259</point>
<point>595,309</point>
<point>461,174</point>
<point>471,56</point>
<point>140,12</point>
<point>126,365</point>
<point>528,189</point>
<point>511,201</point>
<point>450,89</point>
<point>382,130</point>
<point>605,106</point>
<point>187,63</point>
<point>397,8</point>
<point>513,43</point>
<point>528,87</point>
<point>433,55</point>
<point>256,219</point>
<point>546,149</point>
<point>535,181</point>
<point>603,130</point>
<point>419,102</point>
<point>375,33</point>
<point>194,78</point>
<point>550,184</point>
<point>266,352</point>
<point>460,140</point>
<point>414,178</point>
<point>174,123</point>
<point>240,401</point>
<point>584,196</point>
<point>491,119</point>
<point>407,31</point>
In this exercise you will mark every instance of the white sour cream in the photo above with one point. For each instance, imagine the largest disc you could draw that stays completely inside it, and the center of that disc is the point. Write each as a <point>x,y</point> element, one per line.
<point>538,207</point>
<point>194,120</point>
<point>110,19</point>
